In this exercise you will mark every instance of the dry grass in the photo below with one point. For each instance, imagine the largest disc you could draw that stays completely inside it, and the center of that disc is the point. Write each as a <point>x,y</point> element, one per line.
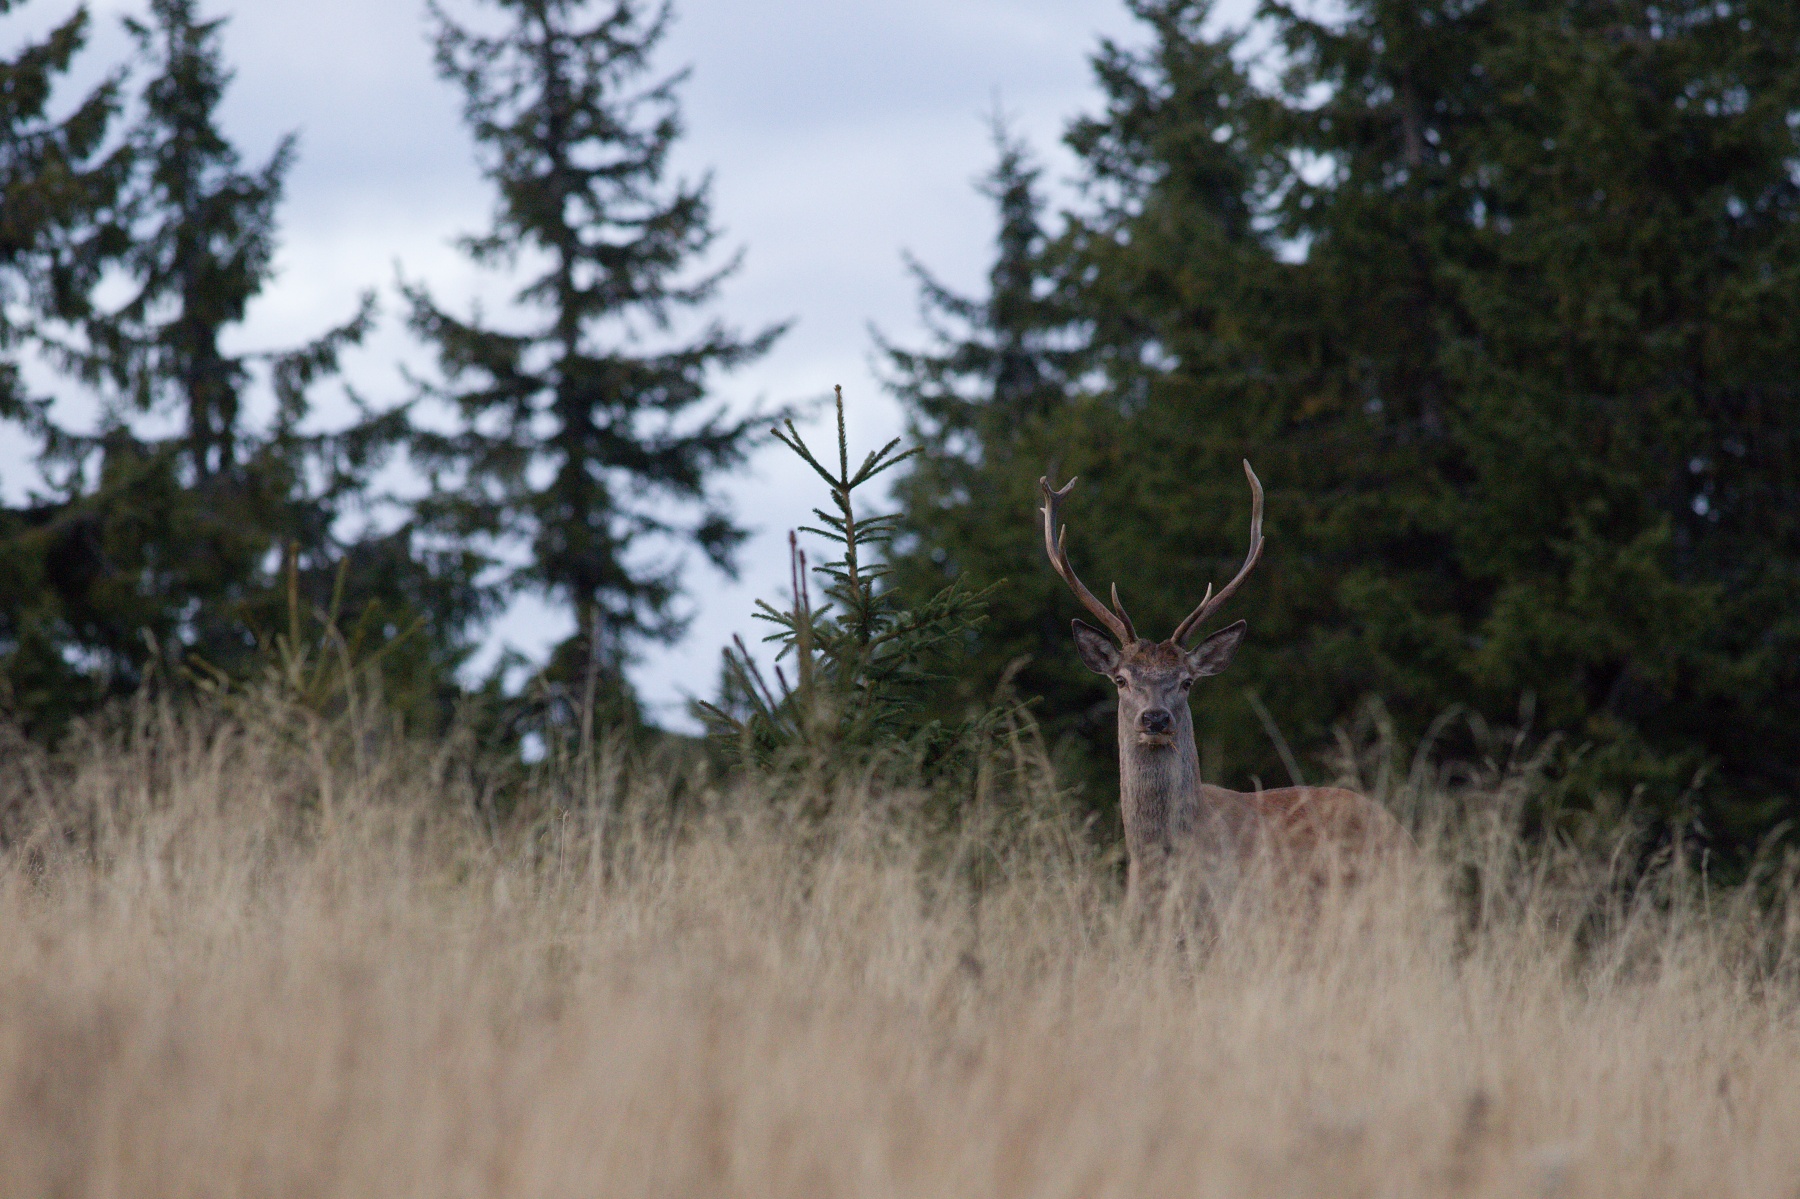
<point>230,967</point>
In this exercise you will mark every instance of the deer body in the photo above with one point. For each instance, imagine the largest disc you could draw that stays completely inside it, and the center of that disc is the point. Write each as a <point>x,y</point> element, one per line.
<point>1174,822</point>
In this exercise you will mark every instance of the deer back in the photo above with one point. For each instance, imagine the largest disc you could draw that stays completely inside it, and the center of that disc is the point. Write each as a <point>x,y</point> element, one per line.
<point>1328,831</point>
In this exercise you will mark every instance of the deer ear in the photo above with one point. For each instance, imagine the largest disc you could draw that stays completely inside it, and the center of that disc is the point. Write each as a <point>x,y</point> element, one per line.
<point>1214,654</point>
<point>1097,651</point>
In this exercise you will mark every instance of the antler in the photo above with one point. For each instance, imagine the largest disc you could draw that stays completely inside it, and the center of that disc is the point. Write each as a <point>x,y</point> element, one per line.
<point>1115,620</point>
<point>1209,603</point>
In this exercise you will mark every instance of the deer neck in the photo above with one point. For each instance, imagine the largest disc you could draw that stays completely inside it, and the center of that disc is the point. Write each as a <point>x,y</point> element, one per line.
<point>1167,811</point>
<point>1159,787</point>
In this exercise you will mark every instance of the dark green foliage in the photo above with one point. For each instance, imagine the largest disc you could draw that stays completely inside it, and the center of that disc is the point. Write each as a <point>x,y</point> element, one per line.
<point>867,661</point>
<point>169,546</point>
<point>574,435</point>
<point>59,181</point>
<point>1500,300</point>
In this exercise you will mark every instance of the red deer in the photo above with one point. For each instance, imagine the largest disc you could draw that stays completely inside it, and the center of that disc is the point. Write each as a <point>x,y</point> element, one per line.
<point>1173,820</point>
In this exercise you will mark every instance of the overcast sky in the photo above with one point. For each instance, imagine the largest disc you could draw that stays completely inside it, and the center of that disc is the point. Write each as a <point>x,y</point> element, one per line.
<point>839,133</point>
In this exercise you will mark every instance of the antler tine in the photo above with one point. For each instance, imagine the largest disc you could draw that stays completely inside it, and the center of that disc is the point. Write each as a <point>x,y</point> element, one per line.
<point>1120,609</point>
<point>1117,622</point>
<point>1211,603</point>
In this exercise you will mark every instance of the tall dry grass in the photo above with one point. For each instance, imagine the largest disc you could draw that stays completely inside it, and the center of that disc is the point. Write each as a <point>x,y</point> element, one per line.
<point>242,956</point>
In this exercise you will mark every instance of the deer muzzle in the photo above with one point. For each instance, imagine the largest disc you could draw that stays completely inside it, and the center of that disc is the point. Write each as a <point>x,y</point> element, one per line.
<point>1156,726</point>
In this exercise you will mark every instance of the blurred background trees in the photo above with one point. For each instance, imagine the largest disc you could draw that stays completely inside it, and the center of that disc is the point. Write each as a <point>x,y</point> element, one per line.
<point>164,531</point>
<point>1500,300</point>
<point>1501,297</point>
<point>141,545</point>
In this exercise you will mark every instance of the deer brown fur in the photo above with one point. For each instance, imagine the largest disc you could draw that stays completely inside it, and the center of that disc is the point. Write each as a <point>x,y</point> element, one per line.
<point>1173,820</point>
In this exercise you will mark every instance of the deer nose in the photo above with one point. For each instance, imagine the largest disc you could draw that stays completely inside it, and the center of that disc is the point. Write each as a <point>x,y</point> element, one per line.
<point>1155,721</point>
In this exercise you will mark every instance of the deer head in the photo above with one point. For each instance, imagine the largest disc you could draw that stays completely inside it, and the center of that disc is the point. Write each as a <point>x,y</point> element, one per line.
<point>1153,677</point>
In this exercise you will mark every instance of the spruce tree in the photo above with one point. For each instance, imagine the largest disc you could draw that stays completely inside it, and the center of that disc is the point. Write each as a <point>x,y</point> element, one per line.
<point>1545,269</point>
<point>867,659</point>
<point>997,362</point>
<point>581,424</point>
<point>171,545</point>
<point>1630,317</point>
<point>59,188</point>
<point>59,182</point>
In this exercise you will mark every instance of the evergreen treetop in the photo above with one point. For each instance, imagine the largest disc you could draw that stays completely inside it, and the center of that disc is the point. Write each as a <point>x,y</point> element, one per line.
<point>579,433</point>
<point>867,661</point>
<point>1001,360</point>
<point>59,181</point>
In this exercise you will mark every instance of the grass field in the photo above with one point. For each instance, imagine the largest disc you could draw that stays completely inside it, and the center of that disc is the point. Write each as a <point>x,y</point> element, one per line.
<point>239,957</point>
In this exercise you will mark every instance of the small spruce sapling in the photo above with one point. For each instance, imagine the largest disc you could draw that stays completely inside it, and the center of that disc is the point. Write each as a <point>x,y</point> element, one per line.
<point>864,660</point>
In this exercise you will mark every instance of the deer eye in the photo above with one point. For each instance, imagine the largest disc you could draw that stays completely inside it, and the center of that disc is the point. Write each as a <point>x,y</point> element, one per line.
<point>1186,683</point>
<point>1119,679</point>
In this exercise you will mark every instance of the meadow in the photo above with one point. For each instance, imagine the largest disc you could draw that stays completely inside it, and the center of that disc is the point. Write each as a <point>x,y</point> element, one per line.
<point>245,952</point>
